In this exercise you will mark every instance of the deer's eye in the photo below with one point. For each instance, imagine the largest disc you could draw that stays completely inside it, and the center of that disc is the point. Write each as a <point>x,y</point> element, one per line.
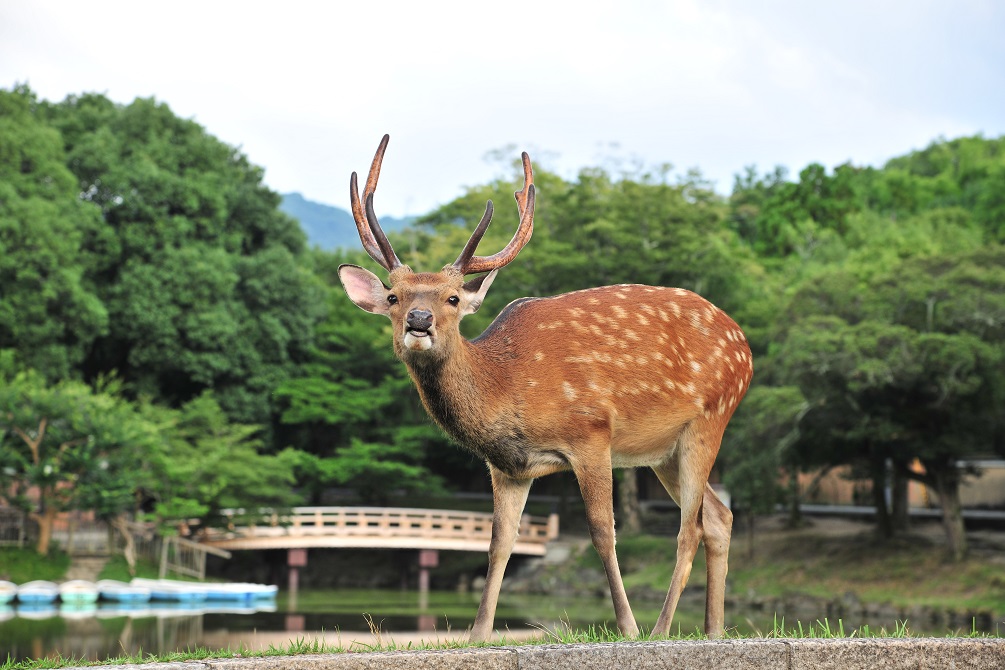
<point>454,300</point>
<point>392,299</point>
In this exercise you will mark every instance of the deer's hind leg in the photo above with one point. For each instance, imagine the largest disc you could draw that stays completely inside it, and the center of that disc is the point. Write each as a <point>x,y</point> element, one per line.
<point>704,518</point>
<point>597,486</point>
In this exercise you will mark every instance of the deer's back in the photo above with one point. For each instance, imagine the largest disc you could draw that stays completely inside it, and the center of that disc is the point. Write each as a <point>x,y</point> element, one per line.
<point>641,360</point>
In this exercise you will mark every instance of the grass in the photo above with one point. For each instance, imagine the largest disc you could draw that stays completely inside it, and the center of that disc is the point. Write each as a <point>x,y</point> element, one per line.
<point>815,561</point>
<point>118,568</point>
<point>822,629</point>
<point>25,565</point>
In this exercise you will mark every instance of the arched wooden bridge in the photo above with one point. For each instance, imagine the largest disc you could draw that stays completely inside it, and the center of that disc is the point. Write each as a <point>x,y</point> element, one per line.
<point>379,528</point>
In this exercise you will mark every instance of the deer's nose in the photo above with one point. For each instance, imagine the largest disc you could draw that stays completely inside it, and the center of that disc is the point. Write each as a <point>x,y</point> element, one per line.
<point>419,319</point>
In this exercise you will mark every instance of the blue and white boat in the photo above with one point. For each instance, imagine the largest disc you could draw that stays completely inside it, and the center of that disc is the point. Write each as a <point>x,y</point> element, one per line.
<point>173,590</point>
<point>122,592</point>
<point>240,591</point>
<point>38,592</point>
<point>8,591</point>
<point>78,592</point>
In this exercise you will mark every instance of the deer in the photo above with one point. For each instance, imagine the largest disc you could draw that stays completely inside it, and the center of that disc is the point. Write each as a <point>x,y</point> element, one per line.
<point>618,376</point>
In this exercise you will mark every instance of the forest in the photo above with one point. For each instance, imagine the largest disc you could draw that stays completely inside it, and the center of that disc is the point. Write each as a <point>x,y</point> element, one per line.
<point>171,346</point>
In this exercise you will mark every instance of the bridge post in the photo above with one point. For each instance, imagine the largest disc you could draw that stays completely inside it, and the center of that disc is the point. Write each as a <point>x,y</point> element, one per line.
<point>295,559</point>
<point>428,558</point>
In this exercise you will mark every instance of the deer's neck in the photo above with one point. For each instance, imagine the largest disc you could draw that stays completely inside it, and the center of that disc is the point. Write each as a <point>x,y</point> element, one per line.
<point>465,394</point>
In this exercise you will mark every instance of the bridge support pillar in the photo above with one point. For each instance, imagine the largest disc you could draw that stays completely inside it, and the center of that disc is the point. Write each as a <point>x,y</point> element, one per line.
<point>295,559</point>
<point>428,558</point>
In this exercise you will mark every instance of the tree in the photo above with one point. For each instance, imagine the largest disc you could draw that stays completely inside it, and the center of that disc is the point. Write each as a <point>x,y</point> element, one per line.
<point>757,446</point>
<point>913,372</point>
<point>50,314</point>
<point>355,410</point>
<point>80,448</point>
<point>205,282</point>
<point>207,464</point>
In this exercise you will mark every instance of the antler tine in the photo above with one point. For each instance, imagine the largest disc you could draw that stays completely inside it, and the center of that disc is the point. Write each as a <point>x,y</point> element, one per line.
<point>476,237</point>
<point>525,199</point>
<point>370,233</point>
<point>362,227</point>
<point>378,233</point>
<point>528,180</point>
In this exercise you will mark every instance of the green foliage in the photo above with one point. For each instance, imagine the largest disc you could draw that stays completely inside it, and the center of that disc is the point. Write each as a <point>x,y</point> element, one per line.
<point>208,464</point>
<point>80,448</point>
<point>49,311</point>
<point>200,279</point>
<point>23,565</point>
<point>757,445</point>
<point>164,318</point>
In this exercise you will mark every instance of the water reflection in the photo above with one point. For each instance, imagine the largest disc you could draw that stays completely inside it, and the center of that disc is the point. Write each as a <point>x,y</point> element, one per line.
<point>338,618</point>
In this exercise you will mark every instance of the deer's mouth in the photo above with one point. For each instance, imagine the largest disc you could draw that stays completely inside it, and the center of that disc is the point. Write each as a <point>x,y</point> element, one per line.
<point>419,339</point>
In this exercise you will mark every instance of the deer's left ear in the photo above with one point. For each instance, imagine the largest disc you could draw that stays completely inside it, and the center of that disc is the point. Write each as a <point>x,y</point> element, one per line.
<point>474,292</point>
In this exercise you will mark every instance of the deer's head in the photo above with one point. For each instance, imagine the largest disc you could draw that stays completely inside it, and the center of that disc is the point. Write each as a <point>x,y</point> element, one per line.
<point>426,308</point>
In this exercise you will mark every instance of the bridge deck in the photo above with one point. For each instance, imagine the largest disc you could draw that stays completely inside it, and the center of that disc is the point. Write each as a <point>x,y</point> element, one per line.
<point>380,527</point>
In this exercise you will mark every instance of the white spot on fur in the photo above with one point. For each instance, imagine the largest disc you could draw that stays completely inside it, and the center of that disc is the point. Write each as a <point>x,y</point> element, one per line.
<point>570,393</point>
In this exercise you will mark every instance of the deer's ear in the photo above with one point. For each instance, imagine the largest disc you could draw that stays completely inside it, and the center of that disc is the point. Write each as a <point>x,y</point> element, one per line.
<point>474,292</point>
<point>364,288</point>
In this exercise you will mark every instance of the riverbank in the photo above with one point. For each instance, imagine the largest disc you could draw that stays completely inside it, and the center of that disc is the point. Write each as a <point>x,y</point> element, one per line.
<point>755,654</point>
<point>829,568</point>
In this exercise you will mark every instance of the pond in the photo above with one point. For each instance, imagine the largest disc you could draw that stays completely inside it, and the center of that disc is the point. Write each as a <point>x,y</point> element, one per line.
<point>341,617</point>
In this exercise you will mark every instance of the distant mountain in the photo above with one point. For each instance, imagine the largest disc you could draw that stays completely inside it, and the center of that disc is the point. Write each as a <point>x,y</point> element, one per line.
<point>330,227</point>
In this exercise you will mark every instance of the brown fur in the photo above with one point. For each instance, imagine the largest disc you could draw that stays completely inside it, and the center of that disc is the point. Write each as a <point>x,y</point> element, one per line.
<point>615,376</point>
<point>618,376</point>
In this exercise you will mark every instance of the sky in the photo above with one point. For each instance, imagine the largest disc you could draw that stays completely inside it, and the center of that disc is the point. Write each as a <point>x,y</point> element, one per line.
<point>307,89</point>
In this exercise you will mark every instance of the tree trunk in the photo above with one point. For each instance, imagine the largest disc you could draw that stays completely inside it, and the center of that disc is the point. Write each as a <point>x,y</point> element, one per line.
<point>750,535</point>
<point>946,478</point>
<point>45,519</point>
<point>795,515</point>
<point>884,525</point>
<point>631,513</point>
<point>901,511</point>
<point>120,524</point>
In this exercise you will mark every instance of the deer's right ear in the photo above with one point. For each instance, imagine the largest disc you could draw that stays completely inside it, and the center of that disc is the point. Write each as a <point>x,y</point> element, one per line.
<point>364,288</point>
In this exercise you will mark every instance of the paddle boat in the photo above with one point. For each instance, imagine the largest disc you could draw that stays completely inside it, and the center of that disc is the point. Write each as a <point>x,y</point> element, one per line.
<point>172,590</point>
<point>78,592</point>
<point>240,591</point>
<point>38,592</point>
<point>8,591</point>
<point>122,592</point>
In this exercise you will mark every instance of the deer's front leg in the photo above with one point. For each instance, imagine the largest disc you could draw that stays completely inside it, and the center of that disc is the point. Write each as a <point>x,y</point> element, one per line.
<point>509,496</point>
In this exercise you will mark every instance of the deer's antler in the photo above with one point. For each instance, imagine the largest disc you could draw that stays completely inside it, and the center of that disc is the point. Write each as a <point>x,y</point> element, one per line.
<point>468,263</point>
<point>370,233</point>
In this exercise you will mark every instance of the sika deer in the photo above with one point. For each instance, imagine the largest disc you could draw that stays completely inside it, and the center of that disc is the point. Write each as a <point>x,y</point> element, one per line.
<point>618,376</point>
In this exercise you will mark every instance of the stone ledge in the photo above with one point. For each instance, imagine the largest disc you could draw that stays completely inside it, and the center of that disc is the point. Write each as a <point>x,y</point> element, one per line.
<point>762,654</point>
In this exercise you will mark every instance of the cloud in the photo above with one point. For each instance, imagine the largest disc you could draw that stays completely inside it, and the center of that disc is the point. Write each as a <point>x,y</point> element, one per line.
<point>307,89</point>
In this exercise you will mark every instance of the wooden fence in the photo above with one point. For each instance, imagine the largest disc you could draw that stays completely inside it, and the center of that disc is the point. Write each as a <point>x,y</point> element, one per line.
<point>377,527</point>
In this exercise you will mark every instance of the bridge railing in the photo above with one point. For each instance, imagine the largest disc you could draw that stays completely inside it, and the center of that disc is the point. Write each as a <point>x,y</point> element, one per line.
<point>384,522</point>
